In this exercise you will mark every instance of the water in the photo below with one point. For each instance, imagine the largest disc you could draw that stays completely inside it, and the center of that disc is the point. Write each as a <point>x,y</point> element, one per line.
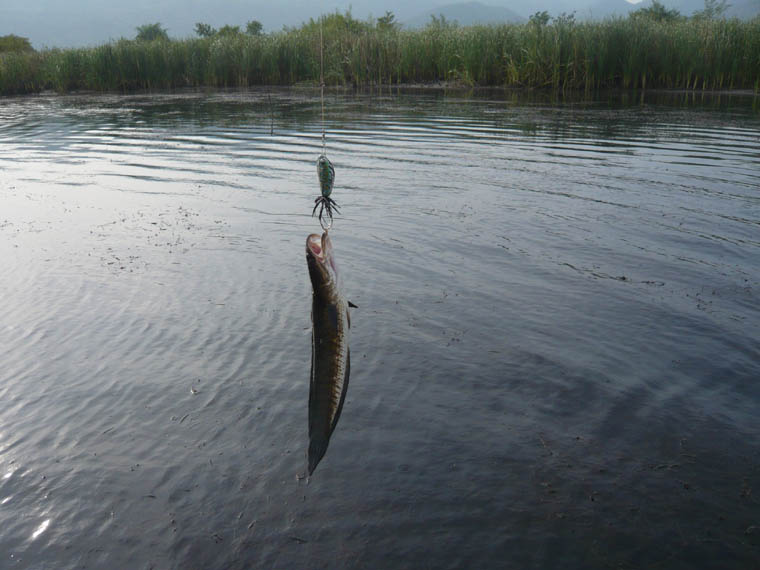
<point>555,359</point>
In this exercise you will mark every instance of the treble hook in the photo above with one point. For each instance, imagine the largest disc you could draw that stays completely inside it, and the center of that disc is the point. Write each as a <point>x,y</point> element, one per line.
<point>326,207</point>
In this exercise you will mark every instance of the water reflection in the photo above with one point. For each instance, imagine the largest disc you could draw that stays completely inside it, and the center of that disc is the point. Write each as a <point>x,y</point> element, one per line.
<point>40,529</point>
<point>560,369</point>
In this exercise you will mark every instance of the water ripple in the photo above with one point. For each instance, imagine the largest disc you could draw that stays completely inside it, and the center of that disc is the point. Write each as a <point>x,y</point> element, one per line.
<point>557,330</point>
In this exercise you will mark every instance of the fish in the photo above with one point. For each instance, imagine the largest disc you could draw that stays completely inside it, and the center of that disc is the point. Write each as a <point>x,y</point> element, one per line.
<point>330,354</point>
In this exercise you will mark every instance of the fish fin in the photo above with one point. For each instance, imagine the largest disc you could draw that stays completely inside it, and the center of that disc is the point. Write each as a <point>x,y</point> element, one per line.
<point>350,304</point>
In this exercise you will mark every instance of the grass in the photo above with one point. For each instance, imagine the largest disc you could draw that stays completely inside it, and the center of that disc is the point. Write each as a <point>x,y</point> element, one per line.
<point>563,55</point>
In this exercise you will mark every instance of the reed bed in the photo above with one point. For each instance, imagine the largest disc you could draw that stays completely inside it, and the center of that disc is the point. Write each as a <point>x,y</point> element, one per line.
<point>562,55</point>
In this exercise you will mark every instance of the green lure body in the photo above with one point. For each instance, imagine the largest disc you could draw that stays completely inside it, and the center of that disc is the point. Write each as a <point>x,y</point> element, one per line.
<point>326,174</point>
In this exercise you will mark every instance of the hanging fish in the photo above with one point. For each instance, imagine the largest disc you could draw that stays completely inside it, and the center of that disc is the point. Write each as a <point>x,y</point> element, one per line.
<point>327,205</point>
<point>330,356</point>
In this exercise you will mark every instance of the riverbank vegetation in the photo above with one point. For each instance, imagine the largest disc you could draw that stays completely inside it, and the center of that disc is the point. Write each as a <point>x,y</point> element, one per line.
<point>639,51</point>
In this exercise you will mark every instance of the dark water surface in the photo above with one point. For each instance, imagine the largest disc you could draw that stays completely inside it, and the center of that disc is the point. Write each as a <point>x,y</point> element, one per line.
<point>555,360</point>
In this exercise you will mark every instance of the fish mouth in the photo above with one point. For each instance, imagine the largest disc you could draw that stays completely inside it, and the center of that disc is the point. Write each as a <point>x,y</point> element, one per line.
<point>319,254</point>
<point>320,248</point>
<point>315,247</point>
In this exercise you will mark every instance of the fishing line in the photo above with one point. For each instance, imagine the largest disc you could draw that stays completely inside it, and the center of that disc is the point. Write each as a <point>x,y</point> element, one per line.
<point>325,170</point>
<point>322,84</point>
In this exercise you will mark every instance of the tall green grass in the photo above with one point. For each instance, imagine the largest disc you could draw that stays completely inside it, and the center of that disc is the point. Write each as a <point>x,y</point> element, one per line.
<point>627,53</point>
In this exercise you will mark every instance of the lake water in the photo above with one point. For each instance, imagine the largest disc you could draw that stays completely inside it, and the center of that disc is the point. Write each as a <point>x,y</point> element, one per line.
<point>555,359</point>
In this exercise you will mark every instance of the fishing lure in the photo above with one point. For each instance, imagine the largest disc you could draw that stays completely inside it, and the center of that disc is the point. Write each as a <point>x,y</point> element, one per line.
<point>326,205</point>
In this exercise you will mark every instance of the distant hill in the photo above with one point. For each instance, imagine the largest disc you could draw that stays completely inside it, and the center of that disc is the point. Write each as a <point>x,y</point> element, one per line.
<point>608,8</point>
<point>466,14</point>
<point>686,7</point>
<point>736,8</point>
<point>746,9</point>
<point>89,22</point>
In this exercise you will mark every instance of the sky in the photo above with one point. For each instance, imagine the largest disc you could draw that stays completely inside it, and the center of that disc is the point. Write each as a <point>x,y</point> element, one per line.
<point>67,23</point>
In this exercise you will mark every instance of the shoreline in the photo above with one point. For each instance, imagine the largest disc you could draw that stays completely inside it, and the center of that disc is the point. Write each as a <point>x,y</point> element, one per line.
<point>405,87</point>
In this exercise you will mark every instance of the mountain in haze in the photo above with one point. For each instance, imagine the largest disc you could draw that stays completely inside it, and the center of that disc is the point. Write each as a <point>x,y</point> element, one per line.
<point>466,14</point>
<point>736,9</point>
<point>74,23</point>
<point>52,23</point>
<point>745,9</point>
<point>88,22</point>
<point>606,9</point>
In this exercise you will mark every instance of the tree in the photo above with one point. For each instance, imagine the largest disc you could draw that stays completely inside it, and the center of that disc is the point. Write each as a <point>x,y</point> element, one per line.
<point>387,22</point>
<point>335,23</point>
<point>151,32</point>
<point>540,18</point>
<point>254,28</point>
<point>657,12</point>
<point>441,22</point>
<point>204,30</point>
<point>15,43</point>
<point>565,19</point>
<point>228,30</point>
<point>713,10</point>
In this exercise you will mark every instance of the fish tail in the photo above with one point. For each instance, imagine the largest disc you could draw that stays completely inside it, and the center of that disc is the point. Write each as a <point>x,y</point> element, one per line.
<point>317,449</point>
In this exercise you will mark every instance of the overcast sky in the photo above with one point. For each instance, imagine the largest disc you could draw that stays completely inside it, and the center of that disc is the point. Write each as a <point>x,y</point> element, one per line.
<point>63,23</point>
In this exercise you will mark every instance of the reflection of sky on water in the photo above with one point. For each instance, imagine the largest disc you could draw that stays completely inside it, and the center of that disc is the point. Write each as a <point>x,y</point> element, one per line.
<point>151,244</point>
<point>29,500</point>
<point>40,529</point>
